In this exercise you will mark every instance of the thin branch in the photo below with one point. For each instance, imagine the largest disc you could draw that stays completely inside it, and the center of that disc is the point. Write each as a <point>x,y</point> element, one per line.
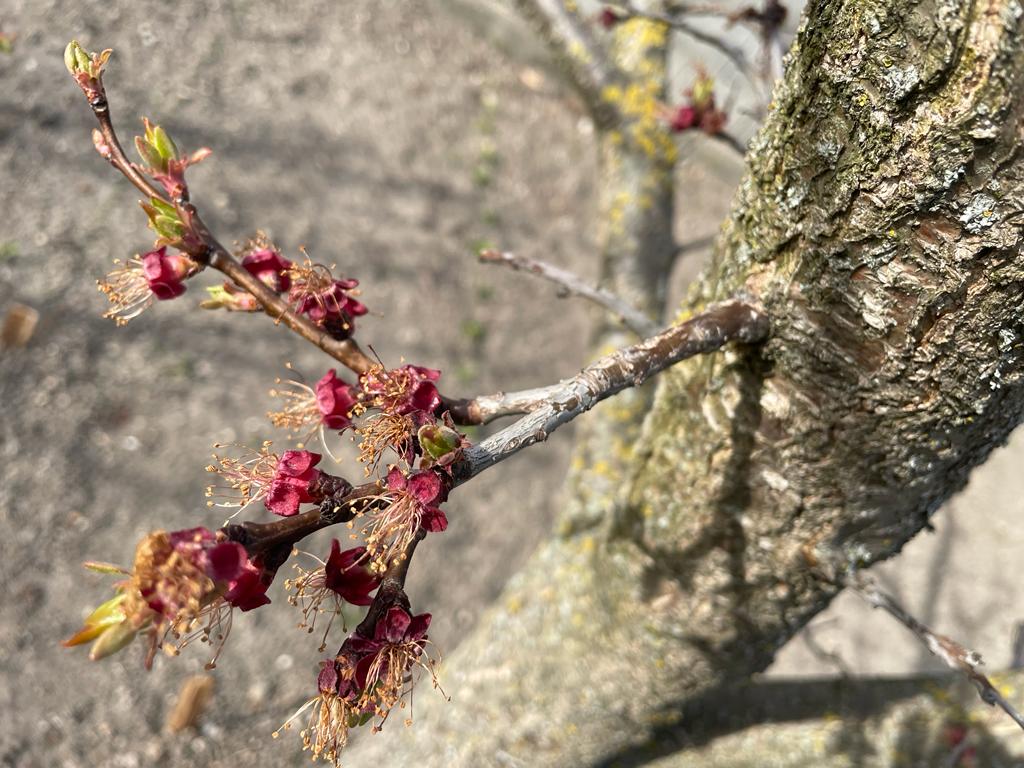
<point>699,10</point>
<point>111,149</point>
<point>550,408</point>
<point>559,404</point>
<point>734,53</point>
<point>587,62</point>
<point>289,531</point>
<point>731,141</point>
<point>571,284</point>
<point>345,351</point>
<point>697,244</point>
<point>951,652</point>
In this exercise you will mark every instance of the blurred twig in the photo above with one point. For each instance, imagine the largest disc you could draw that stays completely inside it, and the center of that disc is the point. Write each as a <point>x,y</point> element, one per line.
<point>948,650</point>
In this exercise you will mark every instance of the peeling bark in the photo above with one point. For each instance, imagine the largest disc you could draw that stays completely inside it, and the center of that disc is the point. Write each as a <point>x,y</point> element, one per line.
<point>879,224</point>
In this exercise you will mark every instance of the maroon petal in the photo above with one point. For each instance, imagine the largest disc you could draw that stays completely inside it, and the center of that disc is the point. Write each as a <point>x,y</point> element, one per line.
<point>358,645</point>
<point>363,669</point>
<point>434,520</point>
<point>270,267</point>
<point>425,397</point>
<point>165,291</point>
<point>327,680</point>
<point>297,463</point>
<point>326,395</point>
<point>283,499</point>
<point>418,627</point>
<point>425,486</point>
<point>396,479</point>
<point>354,307</point>
<point>425,373</point>
<point>393,625</point>
<point>225,561</point>
<point>248,591</point>
<point>345,575</point>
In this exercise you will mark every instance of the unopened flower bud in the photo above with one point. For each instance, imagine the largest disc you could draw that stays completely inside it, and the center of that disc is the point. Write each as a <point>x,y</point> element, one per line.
<point>113,639</point>
<point>438,441</point>
<point>86,68</point>
<point>222,297</point>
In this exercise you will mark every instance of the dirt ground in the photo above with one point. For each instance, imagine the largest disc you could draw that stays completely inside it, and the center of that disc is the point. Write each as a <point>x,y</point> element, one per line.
<point>392,138</point>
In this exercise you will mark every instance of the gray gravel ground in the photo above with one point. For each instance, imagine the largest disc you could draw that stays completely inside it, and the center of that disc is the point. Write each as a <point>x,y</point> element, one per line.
<point>390,138</point>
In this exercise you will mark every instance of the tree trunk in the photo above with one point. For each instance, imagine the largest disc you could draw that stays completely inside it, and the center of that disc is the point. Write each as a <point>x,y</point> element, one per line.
<point>878,225</point>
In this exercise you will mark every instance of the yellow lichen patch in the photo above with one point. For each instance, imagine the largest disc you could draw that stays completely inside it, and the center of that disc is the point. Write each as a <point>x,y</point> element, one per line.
<point>641,106</point>
<point>635,41</point>
<point>514,605</point>
<point>579,53</point>
<point>617,213</point>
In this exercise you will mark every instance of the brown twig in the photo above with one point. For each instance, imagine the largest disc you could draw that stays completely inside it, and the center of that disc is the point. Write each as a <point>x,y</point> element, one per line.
<point>113,151</point>
<point>951,652</point>
<point>258,538</point>
<point>561,403</point>
<point>214,254</point>
<point>550,408</point>
<point>572,285</point>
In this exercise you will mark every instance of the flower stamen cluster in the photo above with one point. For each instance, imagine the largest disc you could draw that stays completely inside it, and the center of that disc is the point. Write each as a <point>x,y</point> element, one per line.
<point>405,399</point>
<point>342,577</point>
<point>133,286</point>
<point>330,404</point>
<point>412,504</point>
<point>327,301</point>
<point>245,479</point>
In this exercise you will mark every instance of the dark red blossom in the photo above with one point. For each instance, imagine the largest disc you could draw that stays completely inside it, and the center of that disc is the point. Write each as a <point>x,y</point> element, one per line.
<point>249,589</point>
<point>335,304</point>
<point>179,579</point>
<point>397,628</point>
<point>227,563</point>
<point>345,574</point>
<point>270,267</point>
<point>700,110</point>
<point>165,273</point>
<point>334,399</point>
<point>609,17</point>
<point>404,390</point>
<point>295,482</point>
<point>427,491</point>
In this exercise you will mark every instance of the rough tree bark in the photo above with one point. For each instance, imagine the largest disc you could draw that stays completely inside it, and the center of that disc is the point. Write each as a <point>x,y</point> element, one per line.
<point>879,225</point>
